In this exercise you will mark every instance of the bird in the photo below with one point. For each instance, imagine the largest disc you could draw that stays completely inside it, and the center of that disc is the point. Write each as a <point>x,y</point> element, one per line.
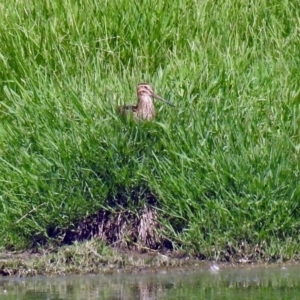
<point>144,109</point>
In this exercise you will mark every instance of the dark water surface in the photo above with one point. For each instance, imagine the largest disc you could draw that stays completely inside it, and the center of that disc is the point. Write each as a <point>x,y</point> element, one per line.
<point>229,282</point>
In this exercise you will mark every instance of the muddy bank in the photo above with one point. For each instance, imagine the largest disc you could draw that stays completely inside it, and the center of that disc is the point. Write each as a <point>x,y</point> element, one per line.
<point>94,257</point>
<point>123,241</point>
<point>90,257</point>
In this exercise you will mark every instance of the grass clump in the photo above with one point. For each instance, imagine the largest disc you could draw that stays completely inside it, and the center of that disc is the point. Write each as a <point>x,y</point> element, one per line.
<point>221,167</point>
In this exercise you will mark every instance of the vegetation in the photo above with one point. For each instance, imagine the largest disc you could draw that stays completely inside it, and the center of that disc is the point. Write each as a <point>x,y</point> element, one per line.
<point>221,170</point>
<point>89,257</point>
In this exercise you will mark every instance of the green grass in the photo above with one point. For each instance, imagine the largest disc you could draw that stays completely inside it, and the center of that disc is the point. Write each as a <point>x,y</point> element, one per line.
<point>223,164</point>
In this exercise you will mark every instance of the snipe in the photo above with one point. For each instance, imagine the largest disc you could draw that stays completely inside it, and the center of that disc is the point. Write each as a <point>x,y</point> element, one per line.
<point>144,109</point>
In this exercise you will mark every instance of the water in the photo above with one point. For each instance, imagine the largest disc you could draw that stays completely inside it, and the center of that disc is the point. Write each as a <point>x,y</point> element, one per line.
<point>207,282</point>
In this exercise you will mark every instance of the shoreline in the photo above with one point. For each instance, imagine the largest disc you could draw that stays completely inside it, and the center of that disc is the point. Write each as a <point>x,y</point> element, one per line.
<point>92,257</point>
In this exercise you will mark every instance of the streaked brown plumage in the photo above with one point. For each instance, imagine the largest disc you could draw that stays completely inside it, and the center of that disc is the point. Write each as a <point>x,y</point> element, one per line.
<point>144,109</point>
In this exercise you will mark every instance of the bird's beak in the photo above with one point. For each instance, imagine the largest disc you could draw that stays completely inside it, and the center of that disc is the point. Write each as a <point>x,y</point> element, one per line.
<point>162,99</point>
